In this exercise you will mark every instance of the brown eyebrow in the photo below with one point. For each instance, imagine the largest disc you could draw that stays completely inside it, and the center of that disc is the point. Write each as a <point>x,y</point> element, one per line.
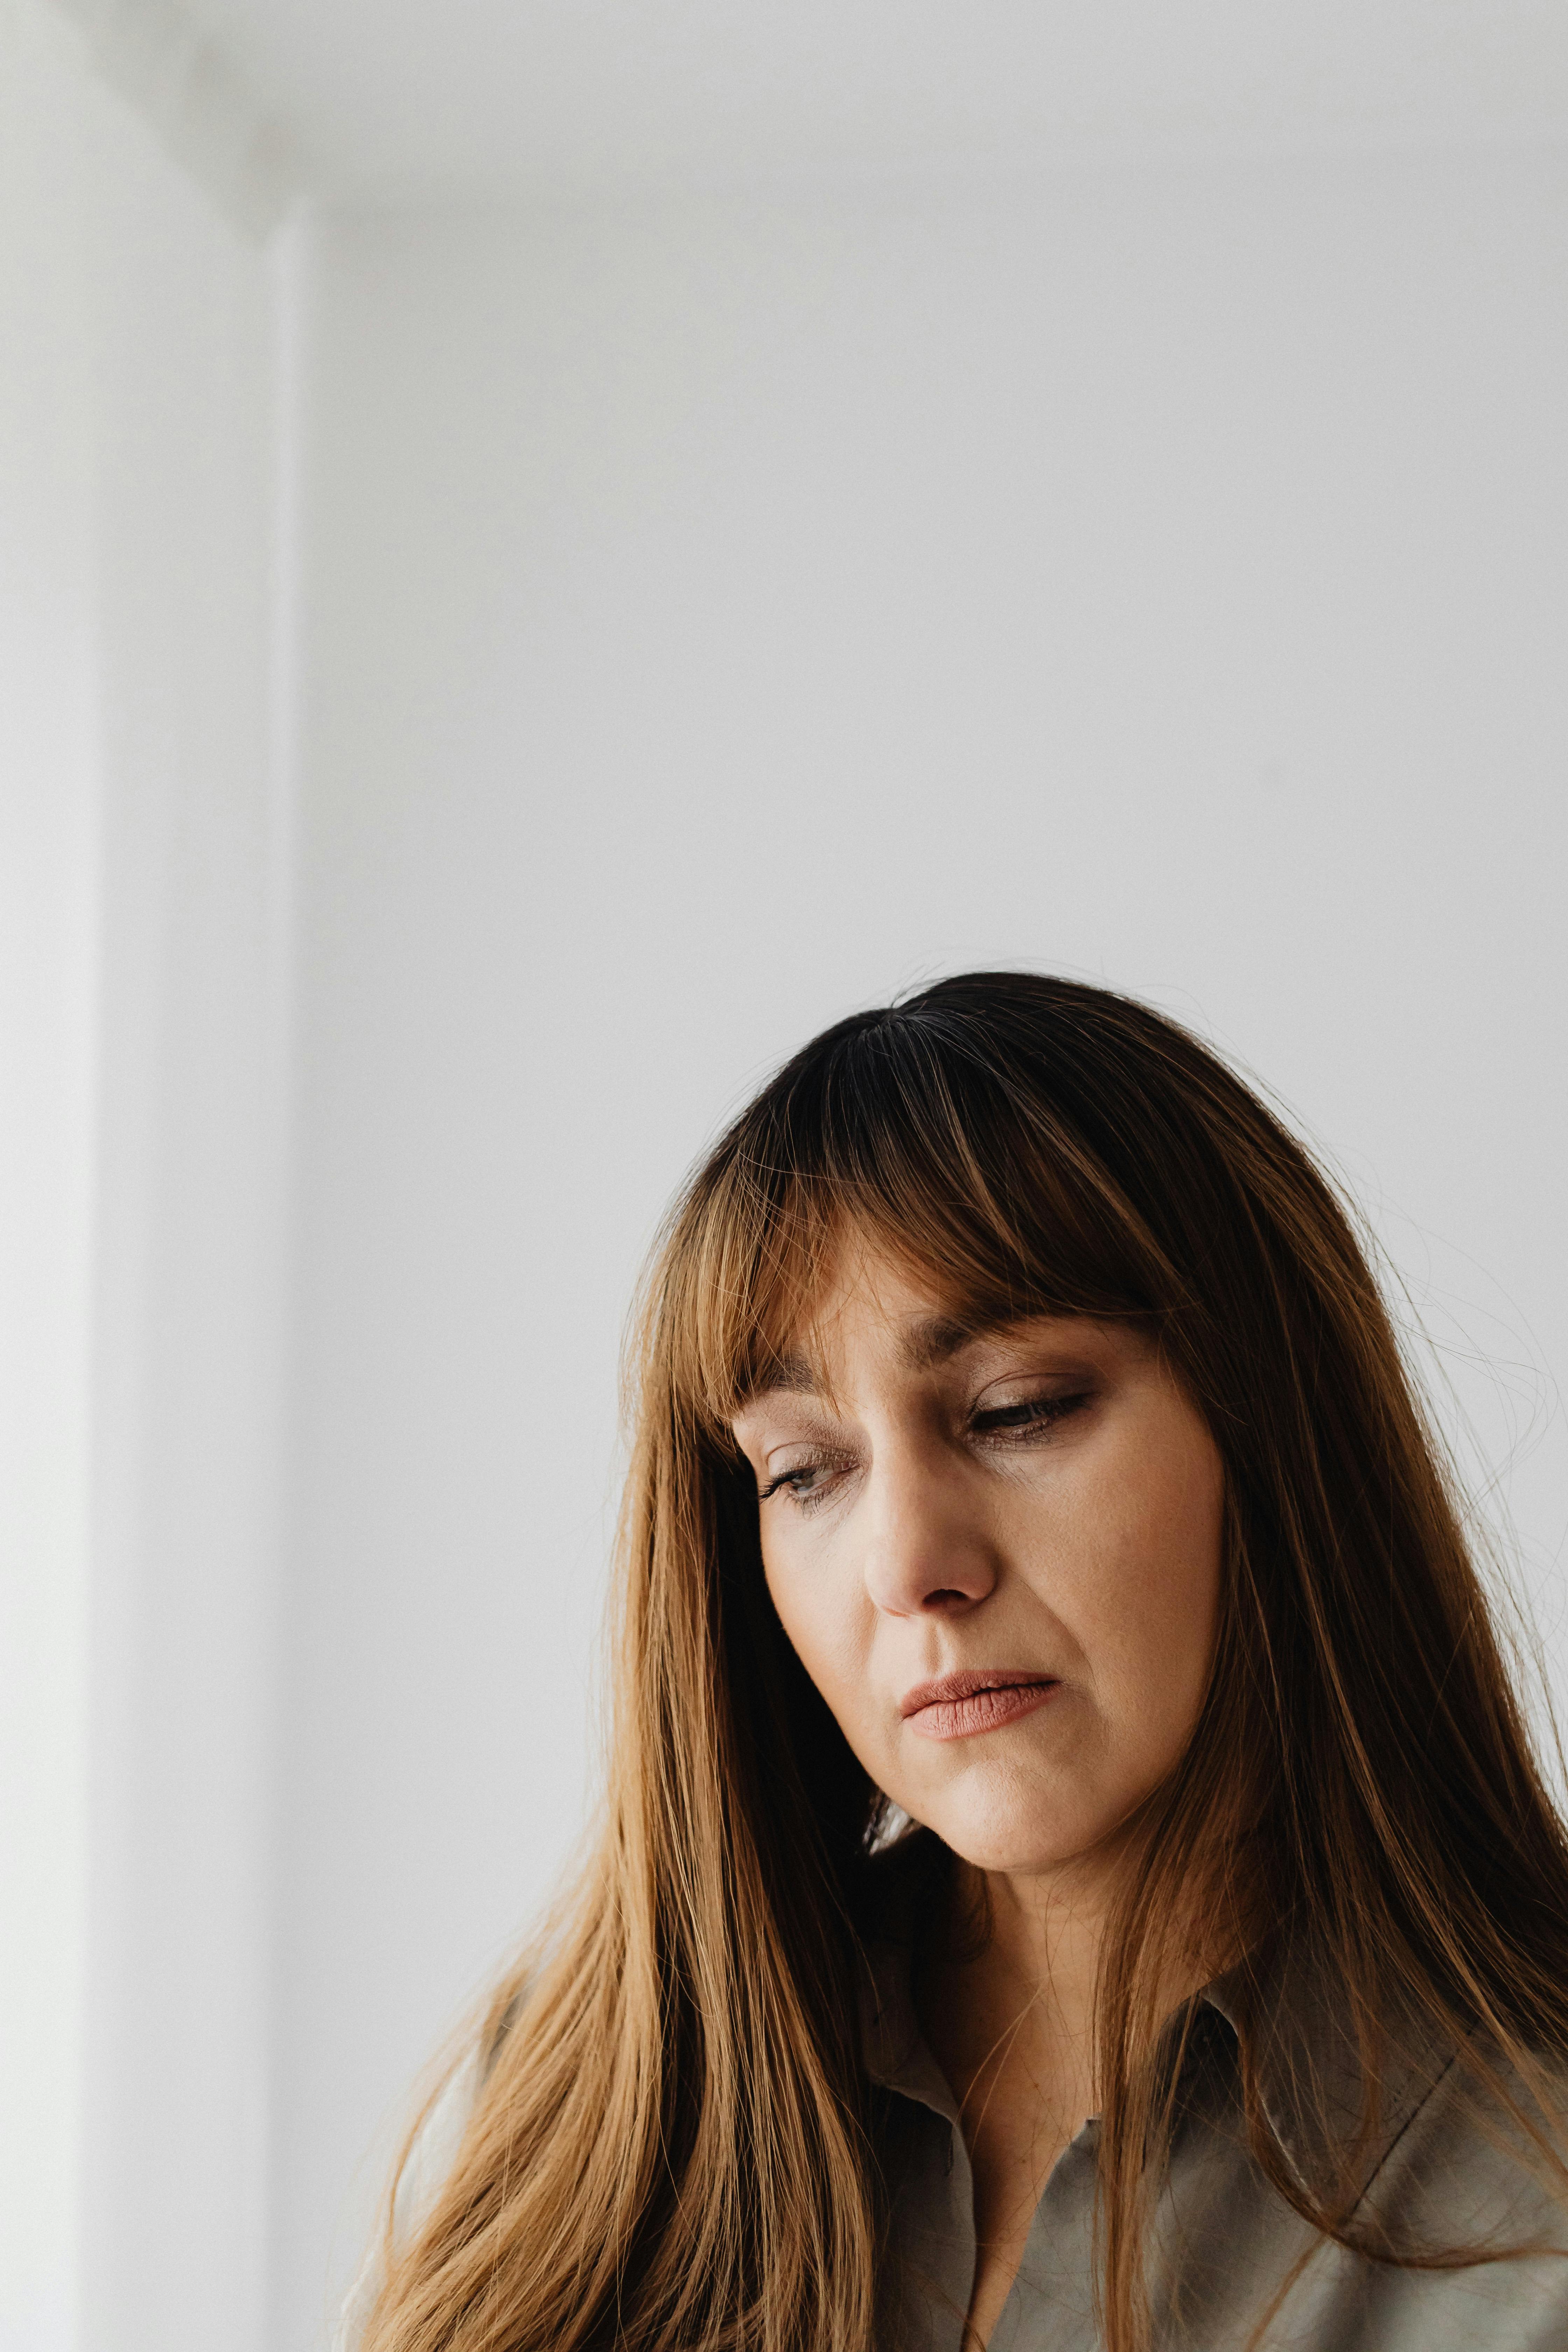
<point>794,1374</point>
<point>937,1339</point>
<point>788,1375</point>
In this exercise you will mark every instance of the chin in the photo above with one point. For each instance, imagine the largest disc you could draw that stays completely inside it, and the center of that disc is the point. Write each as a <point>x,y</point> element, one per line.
<point>1015,1846</point>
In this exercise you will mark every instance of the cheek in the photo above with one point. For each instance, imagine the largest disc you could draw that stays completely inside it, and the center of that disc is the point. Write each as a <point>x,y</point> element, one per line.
<point>825,1629</point>
<point>1150,1603</point>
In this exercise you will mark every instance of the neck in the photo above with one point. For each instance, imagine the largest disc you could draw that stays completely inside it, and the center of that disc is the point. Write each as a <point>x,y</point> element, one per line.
<point>1045,1941</point>
<point>1015,2006</point>
<point>1013,1974</point>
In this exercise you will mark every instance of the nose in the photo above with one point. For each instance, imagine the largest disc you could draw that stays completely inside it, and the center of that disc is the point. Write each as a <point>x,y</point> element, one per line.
<point>926,1552</point>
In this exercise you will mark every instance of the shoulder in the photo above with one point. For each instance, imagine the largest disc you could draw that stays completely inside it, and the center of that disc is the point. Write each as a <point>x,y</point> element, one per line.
<point>430,2160</point>
<point>1482,2158</point>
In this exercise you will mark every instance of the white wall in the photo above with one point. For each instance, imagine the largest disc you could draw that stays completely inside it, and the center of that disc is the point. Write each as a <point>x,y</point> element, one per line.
<point>712,617</point>
<point>190,1112</point>
<point>141,988</point>
<point>720,615</point>
<point>47,974</point>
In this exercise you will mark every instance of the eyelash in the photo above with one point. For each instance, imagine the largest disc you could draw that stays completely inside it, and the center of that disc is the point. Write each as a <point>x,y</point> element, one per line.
<point>1005,1422</point>
<point>1034,1412</point>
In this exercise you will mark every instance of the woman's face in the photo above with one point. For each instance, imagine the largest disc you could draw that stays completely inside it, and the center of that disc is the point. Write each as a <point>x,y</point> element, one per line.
<point>997,1553</point>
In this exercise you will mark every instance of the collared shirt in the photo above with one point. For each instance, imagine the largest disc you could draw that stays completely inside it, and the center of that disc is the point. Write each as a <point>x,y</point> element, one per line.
<point>1226,2242</point>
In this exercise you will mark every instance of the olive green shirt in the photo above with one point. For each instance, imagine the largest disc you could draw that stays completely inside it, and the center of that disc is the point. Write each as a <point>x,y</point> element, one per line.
<point>1225,2240</point>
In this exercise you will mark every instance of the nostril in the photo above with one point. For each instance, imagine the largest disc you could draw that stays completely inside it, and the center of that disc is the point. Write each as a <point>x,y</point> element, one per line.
<point>947,1596</point>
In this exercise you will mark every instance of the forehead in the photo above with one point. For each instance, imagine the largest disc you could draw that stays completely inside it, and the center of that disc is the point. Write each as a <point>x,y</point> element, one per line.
<point>919,1344</point>
<point>863,1290</point>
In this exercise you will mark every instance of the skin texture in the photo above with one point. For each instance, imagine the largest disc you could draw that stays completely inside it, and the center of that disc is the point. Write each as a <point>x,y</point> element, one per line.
<point>1040,1499</point>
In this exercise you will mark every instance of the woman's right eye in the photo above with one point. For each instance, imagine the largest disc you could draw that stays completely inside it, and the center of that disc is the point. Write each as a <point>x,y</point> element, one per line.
<point>804,1480</point>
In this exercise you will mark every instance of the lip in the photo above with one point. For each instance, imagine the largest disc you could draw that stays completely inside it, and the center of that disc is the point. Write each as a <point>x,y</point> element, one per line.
<point>975,1699</point>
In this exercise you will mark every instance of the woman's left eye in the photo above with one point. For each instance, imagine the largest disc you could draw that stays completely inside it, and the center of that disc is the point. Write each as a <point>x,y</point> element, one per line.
<point>1029,1414</point>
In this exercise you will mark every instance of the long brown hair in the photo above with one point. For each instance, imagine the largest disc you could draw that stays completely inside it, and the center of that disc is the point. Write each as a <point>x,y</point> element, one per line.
<point>671,2150</point>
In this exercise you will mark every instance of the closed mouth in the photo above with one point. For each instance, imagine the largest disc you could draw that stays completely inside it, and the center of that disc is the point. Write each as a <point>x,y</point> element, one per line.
<point>975,1699</point>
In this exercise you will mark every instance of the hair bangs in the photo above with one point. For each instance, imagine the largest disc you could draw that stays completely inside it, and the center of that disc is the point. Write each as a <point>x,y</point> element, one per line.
<point>892,1133</point>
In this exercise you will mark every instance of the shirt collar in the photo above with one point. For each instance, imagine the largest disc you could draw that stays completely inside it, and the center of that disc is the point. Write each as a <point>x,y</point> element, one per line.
<point>1282,2003</point>
<point>1277,2002</point>
<point>895,2050</point>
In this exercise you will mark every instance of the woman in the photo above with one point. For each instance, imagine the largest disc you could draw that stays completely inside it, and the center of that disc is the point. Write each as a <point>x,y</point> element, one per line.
<point>1073,1869</point>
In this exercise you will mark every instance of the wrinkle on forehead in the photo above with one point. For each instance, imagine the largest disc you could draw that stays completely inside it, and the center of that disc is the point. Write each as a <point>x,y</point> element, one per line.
<point>798,1361</point>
